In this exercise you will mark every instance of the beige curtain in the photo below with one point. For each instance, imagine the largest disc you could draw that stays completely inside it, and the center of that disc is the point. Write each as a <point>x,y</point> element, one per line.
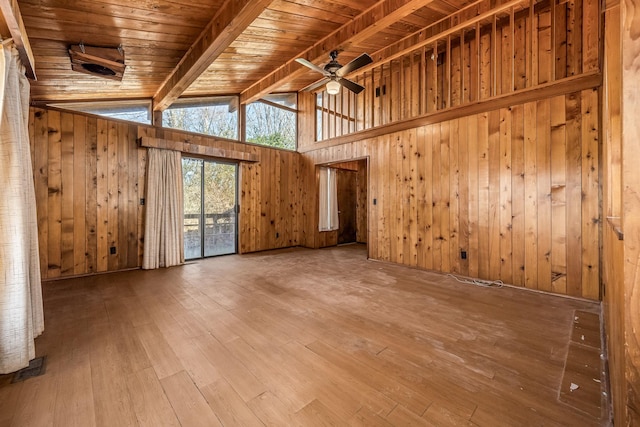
<point>163,231</point>
<point>328,219</point>
<point>21,314</point>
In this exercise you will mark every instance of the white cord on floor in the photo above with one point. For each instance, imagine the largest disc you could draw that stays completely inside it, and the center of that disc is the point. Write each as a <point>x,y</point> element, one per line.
<point>478,282</point>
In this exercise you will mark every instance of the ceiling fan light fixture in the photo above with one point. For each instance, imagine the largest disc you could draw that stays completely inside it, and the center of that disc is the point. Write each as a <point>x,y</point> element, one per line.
<point>333,87</point>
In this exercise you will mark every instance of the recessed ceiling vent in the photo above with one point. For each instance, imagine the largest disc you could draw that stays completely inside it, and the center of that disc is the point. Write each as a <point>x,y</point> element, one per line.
<point>104,62</point>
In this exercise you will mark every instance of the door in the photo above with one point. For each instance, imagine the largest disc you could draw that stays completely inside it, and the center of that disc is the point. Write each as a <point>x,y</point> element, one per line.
<point>346,182</point>
<point>210,213</point>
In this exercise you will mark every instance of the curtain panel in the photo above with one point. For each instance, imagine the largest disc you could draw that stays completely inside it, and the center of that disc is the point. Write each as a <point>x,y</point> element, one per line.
<point>21,311</point>
<point>163,232</point>
<point>328,194</point>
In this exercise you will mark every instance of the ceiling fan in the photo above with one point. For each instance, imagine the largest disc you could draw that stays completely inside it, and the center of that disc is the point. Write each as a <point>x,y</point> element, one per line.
<point>334,73</point>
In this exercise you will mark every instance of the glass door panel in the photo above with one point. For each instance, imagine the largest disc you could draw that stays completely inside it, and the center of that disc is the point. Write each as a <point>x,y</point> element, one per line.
<point>192,189</point>
<point>219,208</point>
<point>210,199</point>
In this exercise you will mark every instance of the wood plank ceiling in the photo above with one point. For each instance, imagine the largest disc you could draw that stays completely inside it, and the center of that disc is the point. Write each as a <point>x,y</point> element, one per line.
<point>246,53</point>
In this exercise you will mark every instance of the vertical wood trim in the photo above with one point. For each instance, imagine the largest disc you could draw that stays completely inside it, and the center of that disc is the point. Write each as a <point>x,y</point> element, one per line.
<point>483,194</point>
<point>463,99</point>
<point>437,197</point>
<point>54,211</point>
<point>591,35</point>
<point>543,124</point>
<point>66,194</point>
<point>630,13</point>
<point>573,129</point>
<point>79,194</point>
<point>531,200</point>
<point>463,215</point>
<point>506,211</point>
<point>41,176</point>
<point>494,57</point>
<point>558,196</point>
<point>494,194</point>
<point>535,59</point>
<point>423,81</point>
<point>428,173</point>
<point>445,196</point>
<point>553,39</point>
<point>448,76</point>
<point>454,196</point>
<point>474,192</point>
<point>529,31</point>
<point>478,63</point>
<point>591,218</point>
<point>518,194</point>
<point>512,52</point>
<point>112,216</point>
<point>91,189</point>
<point>421,220</point>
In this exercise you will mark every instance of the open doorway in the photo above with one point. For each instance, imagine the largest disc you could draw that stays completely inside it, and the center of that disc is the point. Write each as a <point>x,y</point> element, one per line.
<point>352,184</point>
<point>347,183</point>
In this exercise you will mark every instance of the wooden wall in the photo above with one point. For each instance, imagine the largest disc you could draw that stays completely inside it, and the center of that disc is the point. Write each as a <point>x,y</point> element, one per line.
<point>90,176</point>
<point>516,188</point>
<point>483,136</point>
<point>507,51</point>
<point>621,203</point>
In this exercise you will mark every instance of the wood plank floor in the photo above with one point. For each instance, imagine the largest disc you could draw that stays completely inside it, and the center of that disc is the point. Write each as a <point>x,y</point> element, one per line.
<point>297,337</point>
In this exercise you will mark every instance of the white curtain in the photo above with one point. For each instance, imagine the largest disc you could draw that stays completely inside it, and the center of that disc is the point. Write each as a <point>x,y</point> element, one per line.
<point>328,200</point>
<point>163,231</point>
<point>21,313</point>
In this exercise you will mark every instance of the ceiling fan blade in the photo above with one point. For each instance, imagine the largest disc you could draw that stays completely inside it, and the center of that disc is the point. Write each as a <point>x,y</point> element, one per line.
<point>312,66</point>
<point>360,61</point>
<point>316,85</point>
<point>352,86</point>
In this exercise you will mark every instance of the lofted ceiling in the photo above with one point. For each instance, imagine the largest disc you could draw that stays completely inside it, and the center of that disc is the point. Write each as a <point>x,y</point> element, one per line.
<point>210,47</point>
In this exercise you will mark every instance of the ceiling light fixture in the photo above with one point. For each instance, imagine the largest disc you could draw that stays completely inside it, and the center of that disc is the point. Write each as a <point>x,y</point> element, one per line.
<point>333,87</point>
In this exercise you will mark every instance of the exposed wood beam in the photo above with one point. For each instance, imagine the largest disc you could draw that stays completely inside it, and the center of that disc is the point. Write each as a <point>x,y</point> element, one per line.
<point>13,19</point>
<point>378,17</point>
<point>197,149</point>
<point>230,21</point>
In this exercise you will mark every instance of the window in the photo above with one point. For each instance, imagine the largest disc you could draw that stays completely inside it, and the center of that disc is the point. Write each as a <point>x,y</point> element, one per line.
<point>272,121</point>
<point>133,111</point>
<point>215,116</point>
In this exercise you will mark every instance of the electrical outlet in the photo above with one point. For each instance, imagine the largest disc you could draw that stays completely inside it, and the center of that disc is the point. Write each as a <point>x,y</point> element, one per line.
<point>277,235</point>
<point>463,254</point>
<point>142,202</point>
<point>112,250</point>
<point>375,201</point>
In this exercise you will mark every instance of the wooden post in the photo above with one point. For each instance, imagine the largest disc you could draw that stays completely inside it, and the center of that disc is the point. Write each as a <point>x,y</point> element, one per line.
<point>630,22</point>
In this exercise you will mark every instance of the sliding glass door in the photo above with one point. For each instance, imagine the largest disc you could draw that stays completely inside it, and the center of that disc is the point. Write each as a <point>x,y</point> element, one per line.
<point>210,214</point>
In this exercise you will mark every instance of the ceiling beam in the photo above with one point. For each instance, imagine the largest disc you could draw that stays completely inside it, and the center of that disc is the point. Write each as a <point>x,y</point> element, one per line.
<point>13,19</point>
<point>230,21</point>
<point>373,20</point>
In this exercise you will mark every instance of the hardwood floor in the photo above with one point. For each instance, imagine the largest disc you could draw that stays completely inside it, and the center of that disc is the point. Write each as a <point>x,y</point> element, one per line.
<point>299,337</point>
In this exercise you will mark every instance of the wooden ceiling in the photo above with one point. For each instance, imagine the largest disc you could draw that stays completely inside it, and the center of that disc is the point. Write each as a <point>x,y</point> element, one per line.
<point>185,48</point>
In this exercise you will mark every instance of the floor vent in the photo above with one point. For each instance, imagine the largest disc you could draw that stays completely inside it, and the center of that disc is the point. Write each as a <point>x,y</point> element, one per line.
<point>36,368</point>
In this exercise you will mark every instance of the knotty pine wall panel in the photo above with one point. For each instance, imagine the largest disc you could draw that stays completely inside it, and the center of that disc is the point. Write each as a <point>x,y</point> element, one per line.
<point>520,49</point>
<point>90,176</point>
<point>515,188</point>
